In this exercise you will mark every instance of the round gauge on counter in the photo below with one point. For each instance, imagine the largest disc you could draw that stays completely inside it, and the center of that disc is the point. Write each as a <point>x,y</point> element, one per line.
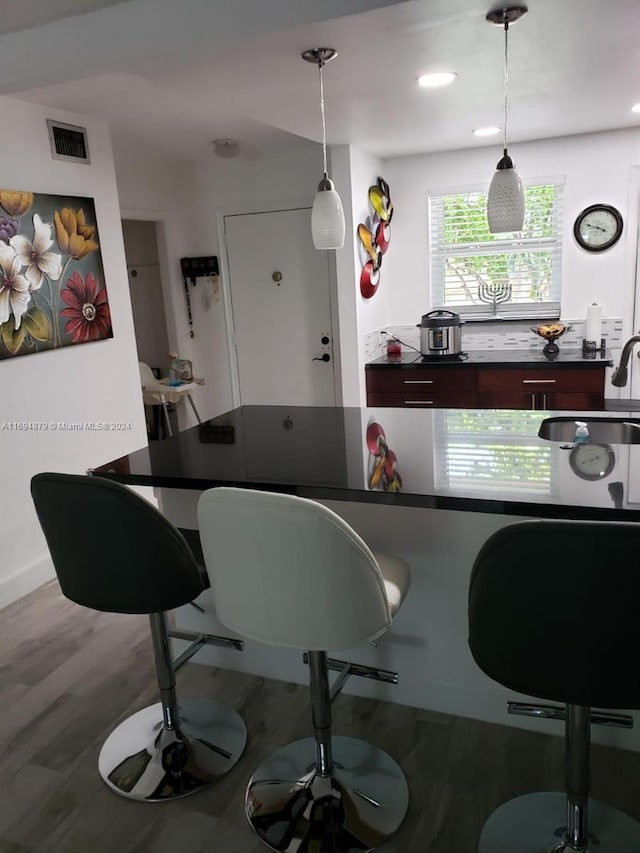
<point>592,461</point>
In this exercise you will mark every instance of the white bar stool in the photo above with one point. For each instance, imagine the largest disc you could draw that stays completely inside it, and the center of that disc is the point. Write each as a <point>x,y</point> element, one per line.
<point>290,572</point>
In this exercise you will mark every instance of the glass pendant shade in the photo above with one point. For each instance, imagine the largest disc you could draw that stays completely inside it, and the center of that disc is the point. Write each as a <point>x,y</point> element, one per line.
<point>327,214</point>
<point>327,217</point>
<point>505,201</point>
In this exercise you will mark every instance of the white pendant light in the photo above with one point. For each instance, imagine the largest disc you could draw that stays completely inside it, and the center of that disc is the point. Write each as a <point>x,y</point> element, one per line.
<point>327,215</point>
<point>505,201</point>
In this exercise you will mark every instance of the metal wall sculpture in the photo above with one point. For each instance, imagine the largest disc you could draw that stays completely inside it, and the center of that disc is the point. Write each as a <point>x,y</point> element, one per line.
<point>375,235</point>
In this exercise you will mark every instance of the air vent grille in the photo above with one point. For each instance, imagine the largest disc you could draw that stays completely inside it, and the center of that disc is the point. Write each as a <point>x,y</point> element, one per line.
<point>68,142</point>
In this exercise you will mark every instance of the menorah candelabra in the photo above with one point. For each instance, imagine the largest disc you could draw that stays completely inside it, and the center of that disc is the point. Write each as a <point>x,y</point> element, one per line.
<point>494,293</point>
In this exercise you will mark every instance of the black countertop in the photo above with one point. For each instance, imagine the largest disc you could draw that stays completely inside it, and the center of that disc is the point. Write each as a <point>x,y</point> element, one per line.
<point>472,460</point>
<point>498,358</point>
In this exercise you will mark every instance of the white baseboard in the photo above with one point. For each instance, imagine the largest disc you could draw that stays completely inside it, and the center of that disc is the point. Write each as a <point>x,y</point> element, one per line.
<point>25,580</point>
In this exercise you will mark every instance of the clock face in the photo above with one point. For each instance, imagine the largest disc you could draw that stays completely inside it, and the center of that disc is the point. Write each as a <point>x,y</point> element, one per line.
<point>592,461</point>
<point>598,227</point>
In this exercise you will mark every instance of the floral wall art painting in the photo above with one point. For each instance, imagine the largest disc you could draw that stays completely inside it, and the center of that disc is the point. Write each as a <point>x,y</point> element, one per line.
<point>52,289</point>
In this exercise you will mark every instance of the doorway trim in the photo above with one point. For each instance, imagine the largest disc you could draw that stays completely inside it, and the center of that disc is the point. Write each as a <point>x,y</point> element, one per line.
<point>158,217</point>
<point>249,210</point>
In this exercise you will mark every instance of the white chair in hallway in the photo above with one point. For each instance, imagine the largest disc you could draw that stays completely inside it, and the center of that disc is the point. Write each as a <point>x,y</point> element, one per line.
<point>157,392</point>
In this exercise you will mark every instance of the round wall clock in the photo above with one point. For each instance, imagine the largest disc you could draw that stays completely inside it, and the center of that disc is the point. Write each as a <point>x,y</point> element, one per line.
<point>598,227</point>
<point>592,461</point>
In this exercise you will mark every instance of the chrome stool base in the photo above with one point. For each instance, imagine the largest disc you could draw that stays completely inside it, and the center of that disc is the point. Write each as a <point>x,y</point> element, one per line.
<point>361,804</point>
<point>143,760</point>
<point>536,823</point>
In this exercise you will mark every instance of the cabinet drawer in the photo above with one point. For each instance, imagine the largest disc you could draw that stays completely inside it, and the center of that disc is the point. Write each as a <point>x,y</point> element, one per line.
<point>412,399</point>
<point>541,380</point>
<point>508,400</point>
<point>585,402</point>
<point>580,402</point>
<point>426,379</point>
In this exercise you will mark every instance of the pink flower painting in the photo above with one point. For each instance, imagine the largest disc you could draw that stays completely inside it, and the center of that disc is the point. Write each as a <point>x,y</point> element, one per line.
<point>87,309</point>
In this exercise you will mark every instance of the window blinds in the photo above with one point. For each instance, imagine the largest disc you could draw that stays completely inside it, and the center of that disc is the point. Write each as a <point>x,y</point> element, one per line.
<point>490,452</point>
<point>507,275</point>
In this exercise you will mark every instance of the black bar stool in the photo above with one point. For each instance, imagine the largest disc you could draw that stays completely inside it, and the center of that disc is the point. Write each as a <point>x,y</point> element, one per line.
<point>113,551</point>
<point>554,613</point>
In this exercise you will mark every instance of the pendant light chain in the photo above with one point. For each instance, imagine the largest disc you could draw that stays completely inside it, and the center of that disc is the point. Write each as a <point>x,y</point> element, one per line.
<point>506,81</point>
<point>324,126</point>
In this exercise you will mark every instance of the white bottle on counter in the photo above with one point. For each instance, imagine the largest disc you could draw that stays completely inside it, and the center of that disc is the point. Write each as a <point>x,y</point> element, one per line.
<point>593,325</point>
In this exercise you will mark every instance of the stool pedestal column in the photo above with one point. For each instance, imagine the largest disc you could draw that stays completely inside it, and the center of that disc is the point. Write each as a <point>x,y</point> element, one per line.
<point>578,771</point>
<point>321,711</point>
<point>166,751</point>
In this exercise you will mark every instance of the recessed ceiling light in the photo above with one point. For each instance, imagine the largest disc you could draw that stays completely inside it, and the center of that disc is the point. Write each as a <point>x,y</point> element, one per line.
<point>635,108</point>
<point>434,81</point>
<point>486,131</point>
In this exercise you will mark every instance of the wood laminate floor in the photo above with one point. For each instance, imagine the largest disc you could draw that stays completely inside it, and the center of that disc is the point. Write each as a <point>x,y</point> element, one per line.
<point>68,675</point>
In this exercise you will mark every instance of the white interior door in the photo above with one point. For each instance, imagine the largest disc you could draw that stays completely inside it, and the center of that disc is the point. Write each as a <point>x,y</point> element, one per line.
<point>281,305</point>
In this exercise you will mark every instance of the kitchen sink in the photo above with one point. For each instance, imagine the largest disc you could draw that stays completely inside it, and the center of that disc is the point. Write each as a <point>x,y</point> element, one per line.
<point>601,430</point>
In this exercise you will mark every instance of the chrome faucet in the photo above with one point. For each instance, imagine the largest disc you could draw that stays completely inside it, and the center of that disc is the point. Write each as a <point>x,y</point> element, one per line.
<point>619,378</point>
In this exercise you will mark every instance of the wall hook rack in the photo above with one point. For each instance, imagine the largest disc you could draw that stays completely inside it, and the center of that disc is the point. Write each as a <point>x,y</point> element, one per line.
<point>192,269</point>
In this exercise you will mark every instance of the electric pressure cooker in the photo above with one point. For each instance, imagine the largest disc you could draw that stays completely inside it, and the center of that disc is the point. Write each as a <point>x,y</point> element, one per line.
<point>440,333</point>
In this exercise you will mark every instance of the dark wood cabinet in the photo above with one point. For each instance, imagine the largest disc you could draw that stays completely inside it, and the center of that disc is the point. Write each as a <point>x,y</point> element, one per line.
<point>492,387</point>
<point>541,388</point>
<point>448,387</point>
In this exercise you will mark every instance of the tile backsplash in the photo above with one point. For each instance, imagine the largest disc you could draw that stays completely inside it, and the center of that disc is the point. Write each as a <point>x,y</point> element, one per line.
<point>490,336</point>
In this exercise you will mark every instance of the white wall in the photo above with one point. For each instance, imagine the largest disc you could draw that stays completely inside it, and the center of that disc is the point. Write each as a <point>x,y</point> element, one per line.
<point>354,171</point>
<point>597,167</point>
<point>91,382</point>
<point>189,201</point>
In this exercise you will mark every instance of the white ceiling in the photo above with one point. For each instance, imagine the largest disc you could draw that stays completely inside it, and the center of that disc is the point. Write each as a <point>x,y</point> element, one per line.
<point>18,15</point>
<point>575,68</point>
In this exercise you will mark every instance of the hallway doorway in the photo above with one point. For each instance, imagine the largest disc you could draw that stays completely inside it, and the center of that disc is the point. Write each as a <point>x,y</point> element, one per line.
<point>149,320</point>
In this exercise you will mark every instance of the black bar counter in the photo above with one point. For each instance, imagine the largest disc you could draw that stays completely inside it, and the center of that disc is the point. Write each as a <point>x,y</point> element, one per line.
<point>427,486</point>
<point>489,461</point>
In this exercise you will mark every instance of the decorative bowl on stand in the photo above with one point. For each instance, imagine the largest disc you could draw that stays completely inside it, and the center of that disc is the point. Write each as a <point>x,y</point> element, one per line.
<point>551,332</point>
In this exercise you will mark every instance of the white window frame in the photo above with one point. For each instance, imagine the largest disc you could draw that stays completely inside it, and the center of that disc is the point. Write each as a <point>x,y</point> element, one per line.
<point>511,244</point>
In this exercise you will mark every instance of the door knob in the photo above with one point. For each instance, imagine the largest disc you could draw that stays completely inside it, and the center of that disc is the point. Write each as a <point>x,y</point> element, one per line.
<point>324,357</point>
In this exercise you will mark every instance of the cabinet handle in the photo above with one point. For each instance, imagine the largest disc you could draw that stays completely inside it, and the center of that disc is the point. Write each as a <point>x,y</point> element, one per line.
<point>539,381</point>
<point>418,381</point>
<point>418,402</point>
<point>544,402</point>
